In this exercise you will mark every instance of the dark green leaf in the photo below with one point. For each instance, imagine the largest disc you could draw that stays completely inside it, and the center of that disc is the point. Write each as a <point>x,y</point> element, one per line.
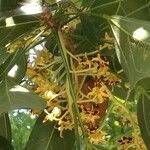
<point>9,63</point>
<point>144,83</point>
<point>87,34</point>
<point>5,128</point>
<point>122,92</point>
<point>137,9</point>
<point>20,25</point>
<point>132,48</point>
<point>3,55</point>
<point>102,6</point>
<point>51,44</point>
<point>45,136</point>
<point>14,96</point>
<point>6,5</point>
<point>5,144</point>
<point>143,113</point>
<point>90,30</point>
<point>19,64</point>
<point>18,71</point>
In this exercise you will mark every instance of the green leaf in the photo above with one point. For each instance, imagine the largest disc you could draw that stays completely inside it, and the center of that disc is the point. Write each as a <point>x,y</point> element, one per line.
<point>143,114</point>
<point>19,69</point>
<point>51,44</point>
<point>90,29</point>
<point>6,5</point>
<point>144,83</point>
<point>9,63</point>
<point>17,66</point>
<point>88,34</point>
<point>137,9</point>
<point>18,26</point>
<point>14,97</point>
<point>45,136</point>
<point>5,127</point>
<point>132,38</point>
<point>3,55</point>
<point>5,144</point>
<point>102,6</point>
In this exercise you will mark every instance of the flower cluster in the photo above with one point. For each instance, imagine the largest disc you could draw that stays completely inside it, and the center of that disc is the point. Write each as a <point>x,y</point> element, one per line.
<point>93,81</point>
<point>41,73</point>
<point>127,143</point>
<point>94,74</point>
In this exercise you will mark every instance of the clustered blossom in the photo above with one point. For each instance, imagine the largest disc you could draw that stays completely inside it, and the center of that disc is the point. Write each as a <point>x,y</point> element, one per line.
<point>57,108</point>
<point>93,97</point>
<point>127,143</point>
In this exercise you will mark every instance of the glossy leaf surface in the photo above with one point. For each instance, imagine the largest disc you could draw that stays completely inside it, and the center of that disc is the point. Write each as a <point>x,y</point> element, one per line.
<point>45,136</point>
<point>132,48</point>
<point>14,97</point>
<point>143,113</point>
<point>5,127</point>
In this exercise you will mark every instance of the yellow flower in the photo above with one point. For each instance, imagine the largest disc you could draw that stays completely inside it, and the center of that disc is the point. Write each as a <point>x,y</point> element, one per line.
<point>98,94</point>
<point>56,112</point>
<point>102,71</point>
<point>97,137</point>
<point>90,121</point>
<point>65,124</point>
<point>15,45</point>
<point>107,37</point>
<point>31,71</point>
<point>43,58</point>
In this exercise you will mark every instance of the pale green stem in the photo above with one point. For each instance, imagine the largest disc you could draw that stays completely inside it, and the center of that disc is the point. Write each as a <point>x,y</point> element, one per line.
<point>71,92</point>
<point>83,70</point>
